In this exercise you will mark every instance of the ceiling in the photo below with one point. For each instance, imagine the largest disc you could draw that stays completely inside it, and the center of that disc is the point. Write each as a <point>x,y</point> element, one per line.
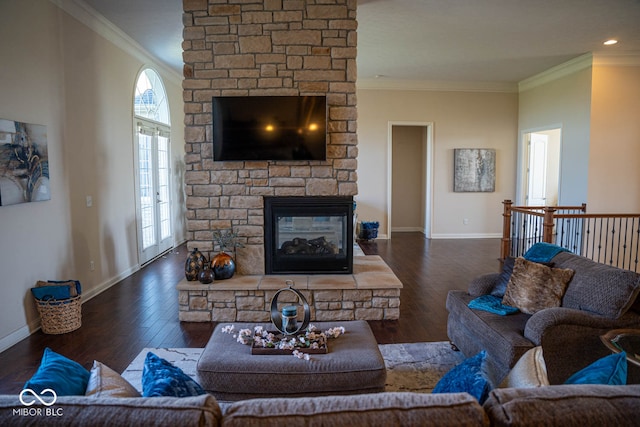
<point>488,41</point>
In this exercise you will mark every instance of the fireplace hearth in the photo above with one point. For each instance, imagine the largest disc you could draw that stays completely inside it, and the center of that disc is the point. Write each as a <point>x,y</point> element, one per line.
<point>310,235</point>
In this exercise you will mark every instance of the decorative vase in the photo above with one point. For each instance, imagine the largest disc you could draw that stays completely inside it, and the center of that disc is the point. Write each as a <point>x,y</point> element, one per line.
<point>206,275</point>
<point>223,266</point>
<point>195,262</point>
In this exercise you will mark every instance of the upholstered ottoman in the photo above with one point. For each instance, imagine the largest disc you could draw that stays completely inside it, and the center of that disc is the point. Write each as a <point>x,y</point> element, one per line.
<point>353,365</point>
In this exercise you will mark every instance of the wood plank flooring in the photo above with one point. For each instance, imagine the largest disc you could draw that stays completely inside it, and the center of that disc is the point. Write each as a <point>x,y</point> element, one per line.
<point>142,310</point>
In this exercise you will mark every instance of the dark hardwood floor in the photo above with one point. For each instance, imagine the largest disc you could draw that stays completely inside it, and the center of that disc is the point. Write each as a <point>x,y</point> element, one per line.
<point>142,310</point>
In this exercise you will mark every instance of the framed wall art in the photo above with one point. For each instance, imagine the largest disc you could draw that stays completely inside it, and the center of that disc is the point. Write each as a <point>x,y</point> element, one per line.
<point>474,170</point>
<point>24,163</point>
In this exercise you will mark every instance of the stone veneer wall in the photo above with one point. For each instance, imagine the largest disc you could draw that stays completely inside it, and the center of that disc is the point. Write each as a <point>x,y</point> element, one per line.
<point>372,292</point>
<point>270,47</point>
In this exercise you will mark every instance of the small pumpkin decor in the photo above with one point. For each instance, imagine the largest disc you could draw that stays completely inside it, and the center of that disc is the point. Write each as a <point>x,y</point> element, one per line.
<point>223,264</point>
<point>195,262</point>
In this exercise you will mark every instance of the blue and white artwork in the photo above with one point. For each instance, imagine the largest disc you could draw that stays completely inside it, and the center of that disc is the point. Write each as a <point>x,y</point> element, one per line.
<point>24,163</point>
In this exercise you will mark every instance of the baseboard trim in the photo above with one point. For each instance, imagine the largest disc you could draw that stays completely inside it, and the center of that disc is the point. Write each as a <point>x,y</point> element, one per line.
<point>407,229</point>
<point>467,236</point>
<point>18,335</point>
<point>86,296</point>
<point>33,326</point>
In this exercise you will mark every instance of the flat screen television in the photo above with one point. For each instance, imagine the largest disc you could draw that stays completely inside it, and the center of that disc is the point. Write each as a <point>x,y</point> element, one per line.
<point>269,128</point>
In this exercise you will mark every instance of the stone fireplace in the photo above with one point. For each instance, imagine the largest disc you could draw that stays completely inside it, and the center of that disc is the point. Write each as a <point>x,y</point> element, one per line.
<point>273,48</point>
<point>308,235</point>
<point>264,48</point>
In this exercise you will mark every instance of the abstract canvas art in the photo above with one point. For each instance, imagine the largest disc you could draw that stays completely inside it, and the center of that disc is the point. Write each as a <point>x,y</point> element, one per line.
<point>474,170</point>
<point>24,163</point>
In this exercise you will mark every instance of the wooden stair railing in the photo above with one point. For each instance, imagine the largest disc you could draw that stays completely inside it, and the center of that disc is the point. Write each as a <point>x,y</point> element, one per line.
<point>613,239</point>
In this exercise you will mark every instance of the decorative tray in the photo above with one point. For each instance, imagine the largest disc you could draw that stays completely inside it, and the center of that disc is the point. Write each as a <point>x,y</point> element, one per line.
<point>280,344</point>
<point>278,351</point>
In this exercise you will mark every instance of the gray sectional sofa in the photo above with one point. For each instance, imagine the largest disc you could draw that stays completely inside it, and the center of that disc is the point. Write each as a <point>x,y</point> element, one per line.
<point>598,298</point>
<point>566,406</point>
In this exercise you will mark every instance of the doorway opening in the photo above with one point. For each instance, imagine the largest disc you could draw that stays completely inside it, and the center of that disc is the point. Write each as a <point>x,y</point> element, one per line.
<point>409,198</point>
<point>541,174</point>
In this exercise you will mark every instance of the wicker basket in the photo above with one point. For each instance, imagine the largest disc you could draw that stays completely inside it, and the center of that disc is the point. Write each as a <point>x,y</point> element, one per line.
<point>60,316</point>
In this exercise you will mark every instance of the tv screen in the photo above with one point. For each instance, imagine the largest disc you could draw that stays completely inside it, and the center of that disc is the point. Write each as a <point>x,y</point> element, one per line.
<point>269,128</point>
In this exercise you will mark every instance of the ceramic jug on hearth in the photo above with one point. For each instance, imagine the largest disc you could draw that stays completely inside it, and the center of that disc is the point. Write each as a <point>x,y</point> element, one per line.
<point>194,263</point>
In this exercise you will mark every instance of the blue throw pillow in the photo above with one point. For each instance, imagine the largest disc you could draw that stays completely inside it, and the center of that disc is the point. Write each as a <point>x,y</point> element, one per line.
<point>60,374</point>
<point>470,376</point>
<point>610,370</point>
<point>161,378</point>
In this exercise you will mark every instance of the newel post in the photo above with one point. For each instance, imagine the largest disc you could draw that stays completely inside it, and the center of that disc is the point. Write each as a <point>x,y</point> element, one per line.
<point>506,230</point>
<point>547,225</point>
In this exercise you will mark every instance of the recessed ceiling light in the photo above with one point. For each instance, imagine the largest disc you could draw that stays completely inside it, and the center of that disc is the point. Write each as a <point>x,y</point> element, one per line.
<point>610,42</point>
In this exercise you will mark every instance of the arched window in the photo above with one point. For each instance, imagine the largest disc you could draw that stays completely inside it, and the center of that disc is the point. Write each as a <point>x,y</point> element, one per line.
<point>152,161</point>
<point>150,100</point>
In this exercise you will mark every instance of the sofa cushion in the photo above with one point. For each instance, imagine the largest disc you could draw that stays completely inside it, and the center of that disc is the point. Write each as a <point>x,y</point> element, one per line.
<point>529,371</point>
<point>611,370</point>
<point>60,374</point>
<point>534,287</point>
<point>105,382</point>
<point>161,378</point>
<point>381,409</point>
<point>470,376</point>
<point>473,331</point>
<point>598,288</point>
<point>110,411</point>
<point>564,405</point>
<point>505,275</point>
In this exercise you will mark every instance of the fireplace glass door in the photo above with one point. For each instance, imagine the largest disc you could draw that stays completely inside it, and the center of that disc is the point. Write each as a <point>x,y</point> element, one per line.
<point>308,235</point>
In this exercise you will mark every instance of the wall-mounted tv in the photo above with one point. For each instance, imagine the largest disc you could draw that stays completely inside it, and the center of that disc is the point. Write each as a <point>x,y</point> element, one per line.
<point>269,128</point>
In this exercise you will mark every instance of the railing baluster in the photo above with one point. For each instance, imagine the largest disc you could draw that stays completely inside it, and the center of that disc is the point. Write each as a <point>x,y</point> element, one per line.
<point>600,242</point>
<point>637,236</point>
<point>612,239</point>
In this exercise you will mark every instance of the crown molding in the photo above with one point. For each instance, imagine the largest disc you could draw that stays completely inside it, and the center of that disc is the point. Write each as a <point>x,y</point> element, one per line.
<point>434,85</point>
<point>567,68</point>
<point>105,28</point>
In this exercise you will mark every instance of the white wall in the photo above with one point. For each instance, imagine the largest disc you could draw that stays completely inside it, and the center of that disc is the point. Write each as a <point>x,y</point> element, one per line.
<point>80,86</point>
<point>614,171</point>
<point>563,102</point>
<point>460,120</point>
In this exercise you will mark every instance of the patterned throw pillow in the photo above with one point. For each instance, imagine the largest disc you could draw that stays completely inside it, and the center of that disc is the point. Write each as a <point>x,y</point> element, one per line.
<point>470,376</point>
<point>534,287</point>
<point>161,378</point>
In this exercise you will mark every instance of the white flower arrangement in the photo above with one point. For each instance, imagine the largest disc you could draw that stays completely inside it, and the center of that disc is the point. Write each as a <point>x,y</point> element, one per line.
<point>310,339</point>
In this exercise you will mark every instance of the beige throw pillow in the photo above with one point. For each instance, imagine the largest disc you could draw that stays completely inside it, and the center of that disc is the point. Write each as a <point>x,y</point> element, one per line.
<point>533,286</point>
<point>105,382</point>
<point>530,371</point>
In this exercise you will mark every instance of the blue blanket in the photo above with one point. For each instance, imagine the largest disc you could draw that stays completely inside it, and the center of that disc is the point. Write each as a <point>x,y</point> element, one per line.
<point>492,304</point>
<point>543,252</point>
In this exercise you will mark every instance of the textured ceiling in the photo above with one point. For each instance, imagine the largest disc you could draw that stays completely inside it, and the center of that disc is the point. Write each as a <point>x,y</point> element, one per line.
<point>497,41</point>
